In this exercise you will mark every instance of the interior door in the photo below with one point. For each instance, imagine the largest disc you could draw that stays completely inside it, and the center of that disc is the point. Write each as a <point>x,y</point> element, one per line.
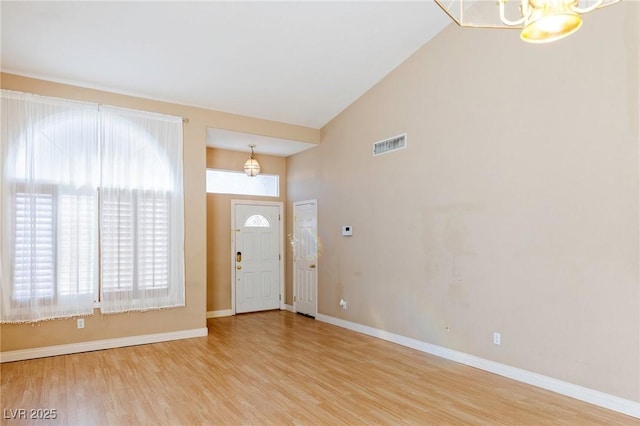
<point>257,257</point>
<point>305,257</point>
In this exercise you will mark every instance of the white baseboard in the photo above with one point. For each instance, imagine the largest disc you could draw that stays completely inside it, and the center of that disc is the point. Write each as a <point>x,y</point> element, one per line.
<point>97,345</point>
<point>289,308</point>
<point>220,313</point>
<point>611,402</point>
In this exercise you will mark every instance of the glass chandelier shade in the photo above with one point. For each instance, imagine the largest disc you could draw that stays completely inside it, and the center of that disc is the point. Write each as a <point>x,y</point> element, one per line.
<point>251,166</point>
<point>551,20</point>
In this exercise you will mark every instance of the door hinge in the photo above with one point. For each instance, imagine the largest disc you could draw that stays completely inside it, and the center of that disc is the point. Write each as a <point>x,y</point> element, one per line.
<point>279,257</point>
<point>280,297</point>
<point>279,218</point>
<point>294,298</point>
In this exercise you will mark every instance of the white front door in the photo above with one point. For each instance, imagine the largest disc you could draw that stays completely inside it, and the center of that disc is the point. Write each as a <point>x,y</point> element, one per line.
<point>256,257</point>
<point>305,257</point>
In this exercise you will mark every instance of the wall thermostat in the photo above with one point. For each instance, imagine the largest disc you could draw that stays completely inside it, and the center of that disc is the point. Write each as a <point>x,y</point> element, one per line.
<point>347,230</point>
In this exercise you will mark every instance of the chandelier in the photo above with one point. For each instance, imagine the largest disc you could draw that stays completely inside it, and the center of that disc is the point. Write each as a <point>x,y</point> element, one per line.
<point>251,166</point>
<point>541,21</point>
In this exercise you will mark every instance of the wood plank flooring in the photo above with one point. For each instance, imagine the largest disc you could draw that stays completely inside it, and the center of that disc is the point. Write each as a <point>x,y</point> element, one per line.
<point>279,368</point>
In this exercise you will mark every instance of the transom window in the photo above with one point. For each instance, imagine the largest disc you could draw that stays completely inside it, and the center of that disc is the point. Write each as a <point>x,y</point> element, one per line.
<point>230,182</point>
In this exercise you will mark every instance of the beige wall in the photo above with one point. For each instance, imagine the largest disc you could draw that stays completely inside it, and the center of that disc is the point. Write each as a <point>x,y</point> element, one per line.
<point>219,221</point>
<point>193,316</point>
<point>514,208</point>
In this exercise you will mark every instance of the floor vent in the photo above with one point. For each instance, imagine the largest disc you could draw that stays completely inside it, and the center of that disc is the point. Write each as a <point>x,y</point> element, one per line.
<point>389,145</point>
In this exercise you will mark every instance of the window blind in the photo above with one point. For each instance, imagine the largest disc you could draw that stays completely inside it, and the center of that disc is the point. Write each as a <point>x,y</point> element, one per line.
<point>34,270</point>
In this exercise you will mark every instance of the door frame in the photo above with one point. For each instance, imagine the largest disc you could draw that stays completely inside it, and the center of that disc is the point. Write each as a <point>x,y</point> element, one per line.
<point>281,222</point>
<point>293,231</point>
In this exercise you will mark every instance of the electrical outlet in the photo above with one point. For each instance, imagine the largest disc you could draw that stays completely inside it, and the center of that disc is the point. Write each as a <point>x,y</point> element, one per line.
<point>80,322</point>
<point>496,338</point>
<point>343,304</point>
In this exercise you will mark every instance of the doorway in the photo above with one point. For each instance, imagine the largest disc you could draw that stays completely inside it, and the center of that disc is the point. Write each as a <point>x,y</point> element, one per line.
<point>305,257</point>
<point>256,252</point>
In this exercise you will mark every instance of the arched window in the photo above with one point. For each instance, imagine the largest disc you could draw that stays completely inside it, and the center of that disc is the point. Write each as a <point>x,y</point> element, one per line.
<point>69,169</point>
<point>257,221</point>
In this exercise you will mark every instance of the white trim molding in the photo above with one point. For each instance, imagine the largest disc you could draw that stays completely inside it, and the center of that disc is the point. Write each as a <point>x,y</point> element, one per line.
<point>97,345</point>
<point>611,402</point>
<point>220,313</point>
<point>289,308</point>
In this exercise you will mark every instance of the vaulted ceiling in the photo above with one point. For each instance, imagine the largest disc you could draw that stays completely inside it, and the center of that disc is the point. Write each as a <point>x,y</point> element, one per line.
<point>294,62</point>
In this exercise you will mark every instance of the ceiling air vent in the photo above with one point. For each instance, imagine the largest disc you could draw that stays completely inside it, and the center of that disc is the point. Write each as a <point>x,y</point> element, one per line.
<point>389,145</point>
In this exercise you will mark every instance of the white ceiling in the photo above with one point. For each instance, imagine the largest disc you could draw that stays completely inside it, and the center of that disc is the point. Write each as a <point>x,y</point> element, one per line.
<point>236,141</point>
<point>295,62</point>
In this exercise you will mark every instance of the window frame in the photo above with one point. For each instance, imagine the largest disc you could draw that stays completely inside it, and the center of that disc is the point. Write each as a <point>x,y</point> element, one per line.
<point>247,181</point>
<point>57,192</point>
<point>136,223</point>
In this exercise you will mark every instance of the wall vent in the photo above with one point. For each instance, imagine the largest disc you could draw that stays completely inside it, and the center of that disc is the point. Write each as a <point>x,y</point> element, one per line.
<point>389,145</point>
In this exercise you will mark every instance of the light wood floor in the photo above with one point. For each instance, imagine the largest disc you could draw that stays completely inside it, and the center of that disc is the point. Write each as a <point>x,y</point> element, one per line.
<point>279,368</point>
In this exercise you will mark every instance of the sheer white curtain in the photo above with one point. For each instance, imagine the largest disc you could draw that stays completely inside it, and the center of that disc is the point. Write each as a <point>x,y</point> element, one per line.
<point>48,208</point>
<point>56,157</point>
<point>142,211</point>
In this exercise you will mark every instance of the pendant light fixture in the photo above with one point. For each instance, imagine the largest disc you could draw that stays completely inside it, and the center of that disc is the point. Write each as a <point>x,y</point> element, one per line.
<point>251,166</point>
<point>541,21</point>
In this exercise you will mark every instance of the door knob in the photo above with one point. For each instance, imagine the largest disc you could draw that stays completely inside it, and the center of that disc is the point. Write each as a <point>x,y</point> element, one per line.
<point>239,267</point>
<point>312,266</point>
